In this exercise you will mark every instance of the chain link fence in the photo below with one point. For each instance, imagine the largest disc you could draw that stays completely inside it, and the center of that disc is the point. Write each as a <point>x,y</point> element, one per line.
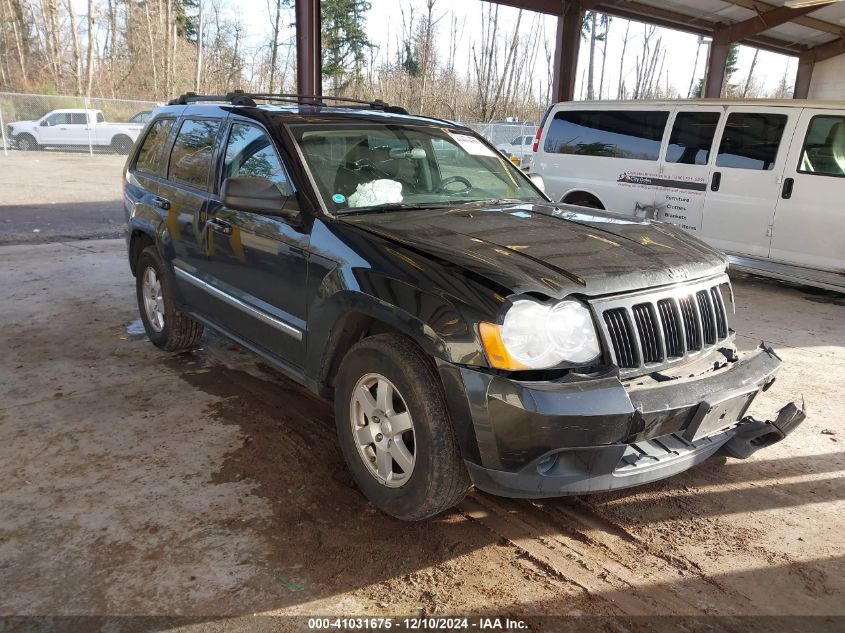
<point>514,139</point>
<point>81,125</point>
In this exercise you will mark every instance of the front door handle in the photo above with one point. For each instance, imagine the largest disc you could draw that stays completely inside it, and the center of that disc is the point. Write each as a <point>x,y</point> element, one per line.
<point>717,181</point>
<point>788,185</point>
<point>221,226</point>
<point>161,203</point>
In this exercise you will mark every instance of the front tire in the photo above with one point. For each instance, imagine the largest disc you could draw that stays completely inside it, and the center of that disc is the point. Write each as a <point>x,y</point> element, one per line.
<point>26,143</point>
<point>167,327</point>
<point>395,431</point>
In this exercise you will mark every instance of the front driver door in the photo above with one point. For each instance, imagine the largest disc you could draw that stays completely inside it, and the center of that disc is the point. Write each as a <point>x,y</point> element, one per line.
<point>258,263</point>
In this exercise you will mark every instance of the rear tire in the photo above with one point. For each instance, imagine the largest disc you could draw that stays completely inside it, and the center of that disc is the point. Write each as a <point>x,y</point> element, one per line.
<point>167,327</point>
<point>586,200</point>
<point>427,476</point>
<point>122,145</point>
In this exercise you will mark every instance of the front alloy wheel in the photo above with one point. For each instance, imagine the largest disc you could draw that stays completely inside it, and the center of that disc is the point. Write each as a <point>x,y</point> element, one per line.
<point>394,428</point>
<point>383,430</point>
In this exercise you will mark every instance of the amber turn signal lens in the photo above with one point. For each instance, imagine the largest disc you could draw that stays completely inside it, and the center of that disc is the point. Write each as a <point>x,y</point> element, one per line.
<point>497,354</point>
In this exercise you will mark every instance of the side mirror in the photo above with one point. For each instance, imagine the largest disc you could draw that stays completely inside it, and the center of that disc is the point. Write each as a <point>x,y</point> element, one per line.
<point>538,181</point>
<point>259,195</point>
<point>44,123</point>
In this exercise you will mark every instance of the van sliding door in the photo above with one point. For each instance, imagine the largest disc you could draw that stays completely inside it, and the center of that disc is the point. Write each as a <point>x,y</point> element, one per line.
<point>685,169</point>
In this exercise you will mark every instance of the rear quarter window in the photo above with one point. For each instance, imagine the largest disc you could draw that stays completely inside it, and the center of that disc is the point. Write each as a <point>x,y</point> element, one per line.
<point>151,151</point>
<point>608,133</point>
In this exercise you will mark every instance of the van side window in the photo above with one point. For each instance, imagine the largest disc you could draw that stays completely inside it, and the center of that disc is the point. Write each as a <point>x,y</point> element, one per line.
<point>614,134</point>
<point>692,138</point>
<point>190,158</point>
<point>824,147</point>
<point>751,140</point>
<point>149,154</point>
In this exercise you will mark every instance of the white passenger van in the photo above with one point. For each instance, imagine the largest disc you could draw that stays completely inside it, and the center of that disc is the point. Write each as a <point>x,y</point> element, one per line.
<point>762,180</point>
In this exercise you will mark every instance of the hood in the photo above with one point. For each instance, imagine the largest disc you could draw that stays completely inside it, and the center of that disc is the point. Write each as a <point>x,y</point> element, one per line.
<point>552,249</point>
<point>23,123</point>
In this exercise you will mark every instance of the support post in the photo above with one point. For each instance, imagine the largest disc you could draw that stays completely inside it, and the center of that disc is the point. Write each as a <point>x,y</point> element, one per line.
<point>803,77</point>
<point>568,43</point>
<point>309,76</point>
<point>716,63</point>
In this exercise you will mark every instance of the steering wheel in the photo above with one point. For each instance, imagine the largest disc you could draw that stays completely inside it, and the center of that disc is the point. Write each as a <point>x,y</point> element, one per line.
<point>448,181</point>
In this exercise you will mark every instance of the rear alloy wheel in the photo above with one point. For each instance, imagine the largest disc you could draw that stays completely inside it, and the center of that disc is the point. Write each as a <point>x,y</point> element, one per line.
<point>121,145</point>
<point>395,431</point>
<point>166,326</point>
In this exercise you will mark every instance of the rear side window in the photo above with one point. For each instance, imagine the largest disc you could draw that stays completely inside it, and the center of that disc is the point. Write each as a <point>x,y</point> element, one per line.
<point>751,140</point>
<point>190,159</point>
<point>78,118</point>
<point>692,138</point>
<point>613,134</point>
<point>149,156</point>
<point>824,148</point>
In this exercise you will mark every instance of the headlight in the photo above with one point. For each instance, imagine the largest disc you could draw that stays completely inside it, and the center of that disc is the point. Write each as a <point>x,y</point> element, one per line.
<point>538,336</point>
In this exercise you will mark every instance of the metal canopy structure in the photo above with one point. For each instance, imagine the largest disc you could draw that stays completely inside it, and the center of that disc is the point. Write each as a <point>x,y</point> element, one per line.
<point>812,33</point>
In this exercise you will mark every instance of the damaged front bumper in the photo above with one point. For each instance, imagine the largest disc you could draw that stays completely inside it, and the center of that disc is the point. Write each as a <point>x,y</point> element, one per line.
<point>586,434</point>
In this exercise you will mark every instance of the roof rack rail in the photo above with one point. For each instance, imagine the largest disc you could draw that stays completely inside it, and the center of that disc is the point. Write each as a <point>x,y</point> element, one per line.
<point>239,97</point>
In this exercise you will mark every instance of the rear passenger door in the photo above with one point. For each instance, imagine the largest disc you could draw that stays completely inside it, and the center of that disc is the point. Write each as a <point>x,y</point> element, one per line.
<point>686,167</point>
<point>258,264</point>
<point>184,200</point>
<point>746,178</point>
<point>809,225</point>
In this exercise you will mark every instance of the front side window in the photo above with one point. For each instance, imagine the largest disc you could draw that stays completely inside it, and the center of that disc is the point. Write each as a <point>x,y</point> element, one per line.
<point>824,148</point>
<point>692,138</point>
<point>59,118</point>
<point>150,153</point>
<point>751,140</point>
<point>190,159</point>
<point>613,134</point>
<point>361,165</point>
<point>249,152</point>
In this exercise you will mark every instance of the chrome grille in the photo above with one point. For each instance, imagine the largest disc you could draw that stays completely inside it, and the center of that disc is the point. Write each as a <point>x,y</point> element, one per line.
<point>646,331</point>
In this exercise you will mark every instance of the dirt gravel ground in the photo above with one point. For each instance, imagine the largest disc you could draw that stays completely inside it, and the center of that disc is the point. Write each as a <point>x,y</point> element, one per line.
<point>53,195</point>
<point>204,484</point>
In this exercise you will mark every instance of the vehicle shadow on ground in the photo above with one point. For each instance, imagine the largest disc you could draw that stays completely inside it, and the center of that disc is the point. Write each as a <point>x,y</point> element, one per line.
<point>334,541</point>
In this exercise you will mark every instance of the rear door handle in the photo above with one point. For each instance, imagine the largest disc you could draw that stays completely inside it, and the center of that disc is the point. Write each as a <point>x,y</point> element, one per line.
<point>221,226</point>
<point>788,185</point>
<point>162,203</point>
<point>717,181</point>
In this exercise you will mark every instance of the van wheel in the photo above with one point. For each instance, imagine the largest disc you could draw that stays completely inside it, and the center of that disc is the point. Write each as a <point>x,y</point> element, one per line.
<point>395,431</point>
<point>581,199</point>
<point>121,145</point>
<point>166,326</point>
<point>26,143</point>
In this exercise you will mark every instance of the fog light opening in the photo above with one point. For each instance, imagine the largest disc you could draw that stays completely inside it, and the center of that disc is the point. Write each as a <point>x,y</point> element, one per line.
<point>546,464</point>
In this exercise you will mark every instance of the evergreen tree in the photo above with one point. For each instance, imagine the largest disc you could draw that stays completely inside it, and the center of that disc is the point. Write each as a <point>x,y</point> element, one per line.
<point>344,40</point>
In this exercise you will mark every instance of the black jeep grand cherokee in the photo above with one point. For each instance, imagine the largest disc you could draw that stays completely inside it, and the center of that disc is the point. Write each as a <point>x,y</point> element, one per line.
<point>469,330</point>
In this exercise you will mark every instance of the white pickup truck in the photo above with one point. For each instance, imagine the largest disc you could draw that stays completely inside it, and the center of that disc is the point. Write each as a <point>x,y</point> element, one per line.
<point>73,128</point>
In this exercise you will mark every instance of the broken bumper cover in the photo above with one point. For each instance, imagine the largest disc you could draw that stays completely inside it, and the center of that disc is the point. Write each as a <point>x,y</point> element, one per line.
<point>581,435</point>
